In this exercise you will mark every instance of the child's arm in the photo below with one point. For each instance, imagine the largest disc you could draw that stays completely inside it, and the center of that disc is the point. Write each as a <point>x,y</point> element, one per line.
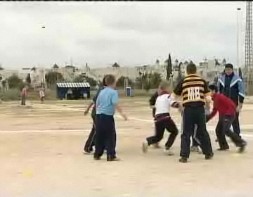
<point>88,108</point>
<point>115,100</point>
<point>121,112</point>
<point>175,104</point>
<point>212,114</point>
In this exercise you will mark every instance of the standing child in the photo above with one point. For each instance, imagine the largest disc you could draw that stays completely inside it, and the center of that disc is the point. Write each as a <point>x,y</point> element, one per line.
<point>106,104</point>
<point>194,91</point>
<point>90,142</point>
<point>24,95</point>
<point>227,113</point>
<point>42,95</point>
<point>163,119</point>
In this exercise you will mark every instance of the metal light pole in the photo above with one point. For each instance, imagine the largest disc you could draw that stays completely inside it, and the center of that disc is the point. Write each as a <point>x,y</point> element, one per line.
<point>238,36</point>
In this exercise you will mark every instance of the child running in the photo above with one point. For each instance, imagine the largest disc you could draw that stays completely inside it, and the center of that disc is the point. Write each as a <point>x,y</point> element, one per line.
<point>227,112</point>
<point>106,104</point>
<point>152,101</point>
<point>163,119</point>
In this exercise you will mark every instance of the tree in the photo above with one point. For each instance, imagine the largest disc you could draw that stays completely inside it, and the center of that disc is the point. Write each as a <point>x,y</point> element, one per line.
<point>91,81</point>
<point>121,81</point>
<point>224,61</point>
<point>147,85</point>
<point>15,82</point>
<point>1,67</point>
<point>154,79</point>
<point>180,75</point>
<point>55,66</point>
<point>157,62</point>
<point>28,78</point>
<point>53,77</point>
<point>115,65</point>
<point>83,78</point>
<point>217,63</point>
<point>169,68</point>
<point>79,79</point>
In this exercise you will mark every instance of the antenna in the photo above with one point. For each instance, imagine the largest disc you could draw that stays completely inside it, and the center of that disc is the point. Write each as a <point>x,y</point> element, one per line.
<point>248,46</point>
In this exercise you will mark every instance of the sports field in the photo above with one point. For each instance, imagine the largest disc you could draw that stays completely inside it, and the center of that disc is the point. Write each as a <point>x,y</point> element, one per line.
<point>41,155</point>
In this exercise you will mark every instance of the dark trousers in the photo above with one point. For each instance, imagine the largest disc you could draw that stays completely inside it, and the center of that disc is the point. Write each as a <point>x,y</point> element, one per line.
<point>195,141</point>
<point>195,116</point>
<point>105,136</point>
<point>23,98</point>
<point>236,125</point>
<point>223,130</point>
<point>90,142</point>
<point>160,126</point>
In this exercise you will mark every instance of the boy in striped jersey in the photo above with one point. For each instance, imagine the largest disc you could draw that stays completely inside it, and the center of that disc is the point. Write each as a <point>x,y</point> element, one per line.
<point>195,93</point>
<point>163,119</point>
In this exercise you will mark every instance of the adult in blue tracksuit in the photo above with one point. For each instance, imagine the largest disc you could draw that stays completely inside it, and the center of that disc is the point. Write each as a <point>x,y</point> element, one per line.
<point>231,85</point>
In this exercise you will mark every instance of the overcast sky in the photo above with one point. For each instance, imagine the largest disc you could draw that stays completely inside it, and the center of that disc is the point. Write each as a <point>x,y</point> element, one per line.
<point>130,33</point>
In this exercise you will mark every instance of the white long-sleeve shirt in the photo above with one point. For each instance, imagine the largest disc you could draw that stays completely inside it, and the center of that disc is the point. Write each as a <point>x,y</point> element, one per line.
<point>163,103</point>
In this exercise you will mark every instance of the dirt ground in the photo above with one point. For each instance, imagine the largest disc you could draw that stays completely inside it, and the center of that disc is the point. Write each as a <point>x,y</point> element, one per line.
<point>41,155</point>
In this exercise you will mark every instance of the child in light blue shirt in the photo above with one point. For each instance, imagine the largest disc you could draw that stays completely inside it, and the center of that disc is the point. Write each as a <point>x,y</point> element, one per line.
<point>106,104</point>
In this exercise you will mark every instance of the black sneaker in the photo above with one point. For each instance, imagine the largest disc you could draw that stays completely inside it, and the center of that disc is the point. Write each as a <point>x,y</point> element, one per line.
<point>209,157</point>
<point>88,150</point>
<point>109,158</point>
<point>242,147</point>
<point>223,149</point>
<point>96,157</point>
<point>183,160</point>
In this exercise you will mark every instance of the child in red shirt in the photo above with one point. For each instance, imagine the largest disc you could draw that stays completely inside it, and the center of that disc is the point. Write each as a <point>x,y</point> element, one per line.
<point>227,112</point>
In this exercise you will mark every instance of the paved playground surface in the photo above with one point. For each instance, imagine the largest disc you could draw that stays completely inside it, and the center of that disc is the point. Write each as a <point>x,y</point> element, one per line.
<point>41,156</point>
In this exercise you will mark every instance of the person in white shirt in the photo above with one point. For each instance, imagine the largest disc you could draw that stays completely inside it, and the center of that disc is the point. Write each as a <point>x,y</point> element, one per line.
<point>42,95</point>
<point>163,119</point>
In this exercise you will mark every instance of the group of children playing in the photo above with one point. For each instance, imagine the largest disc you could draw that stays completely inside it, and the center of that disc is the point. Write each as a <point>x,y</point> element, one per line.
<point>103,133</point>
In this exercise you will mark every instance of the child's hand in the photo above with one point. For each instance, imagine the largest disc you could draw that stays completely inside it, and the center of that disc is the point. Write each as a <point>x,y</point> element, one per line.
<point>124,116</point>
<point>86,112</point>
<point>180,108</point>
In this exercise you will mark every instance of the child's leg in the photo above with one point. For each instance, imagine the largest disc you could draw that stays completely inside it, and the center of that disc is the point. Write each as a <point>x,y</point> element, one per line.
<point>236,139</point>
<point>172,128</point>
<point>195,141</point>
<point>160,127</point>
<point>100,136</point>
<point>91,139</point>
<point>221,135</point>
<point>110,143</point>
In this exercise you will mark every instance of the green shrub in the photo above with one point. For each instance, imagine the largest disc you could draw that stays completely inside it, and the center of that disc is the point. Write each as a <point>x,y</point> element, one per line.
<point>9,95</point>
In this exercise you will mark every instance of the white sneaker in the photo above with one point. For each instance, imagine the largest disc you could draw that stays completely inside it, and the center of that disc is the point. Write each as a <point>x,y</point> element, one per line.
<point>144,147</point>
<point>195,149</point>
<point>168,152</point>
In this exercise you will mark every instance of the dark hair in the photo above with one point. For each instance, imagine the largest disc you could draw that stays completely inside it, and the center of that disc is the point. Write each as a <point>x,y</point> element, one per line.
<point>110,79</point>
<point>103,81</point>
<point>213,87</point>
<point>191,68</point>
<point>229,66</point>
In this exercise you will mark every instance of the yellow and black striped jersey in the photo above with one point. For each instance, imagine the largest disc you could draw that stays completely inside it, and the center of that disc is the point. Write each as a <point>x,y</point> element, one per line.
<point>193,89</point>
